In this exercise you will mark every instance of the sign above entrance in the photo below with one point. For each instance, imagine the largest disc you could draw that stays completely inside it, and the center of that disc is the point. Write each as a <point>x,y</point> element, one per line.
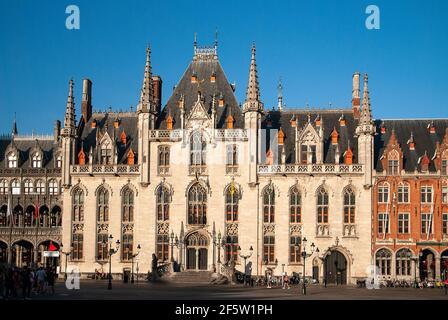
<point>51,254</point>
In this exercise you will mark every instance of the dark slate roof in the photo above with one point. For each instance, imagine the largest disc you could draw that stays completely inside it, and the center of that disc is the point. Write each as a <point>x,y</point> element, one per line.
<point>26,146</point>
<point>128,122</point>
<point>330,120</point>
<point>203,70</point>
<point>424,140</point>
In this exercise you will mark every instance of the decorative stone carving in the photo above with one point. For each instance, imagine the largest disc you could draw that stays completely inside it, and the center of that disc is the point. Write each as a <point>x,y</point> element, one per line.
<point>295,229</point>
<point>127,228</point>
<point>163,228</point>
<point>268,228</point>
<point>78,227</point>
<point>102,227</point>
<point>349,230</point>
<point>323,230</point>
<point>232,229</point>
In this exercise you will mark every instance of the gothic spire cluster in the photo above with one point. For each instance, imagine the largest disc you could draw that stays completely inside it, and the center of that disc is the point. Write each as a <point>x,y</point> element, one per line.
<point>366,113</point>
<point>146,101</point>
<point>253,102</point>
<point>69,120</point>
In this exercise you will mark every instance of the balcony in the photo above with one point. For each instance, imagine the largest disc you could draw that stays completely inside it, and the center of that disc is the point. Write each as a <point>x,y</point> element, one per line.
<point>179,134</point>
<point>5,172</point>
<point>311,169</point>
<point>105,169</point>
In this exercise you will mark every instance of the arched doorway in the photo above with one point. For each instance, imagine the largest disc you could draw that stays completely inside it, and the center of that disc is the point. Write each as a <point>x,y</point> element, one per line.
<point>47,261</point>
<point>444,264</point>
<point>427,265</point>
<point>335,268</point>
<point>3,252</point>
<point>197,251</point>
<point>22,253</point>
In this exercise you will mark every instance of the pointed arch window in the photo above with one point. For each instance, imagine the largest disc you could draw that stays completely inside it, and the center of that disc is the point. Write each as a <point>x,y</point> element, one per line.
<point>3,215</point>
<point>56,217</point>
<point>269,204</point>
<point>163,199</point>
<point>444,163</point>
<point>106,152</point>
<point>37,160</point>
<point>383,261</point>
<point>231,159</point>
<point>78,244</point>
<point>295,205</point>
<point>4,187</point>
<point>163,159</point>
<point>393,163</point>
<point>78,205</point>
<point>40,187</point>
<point>232,199</point>
<point>15,186</point>
<point>103,205</point>
<point>403,192</point>
<point>383,192</point>
<point>403,267</point>
<point>128,205</point>
<point>231,249</point>
<point>53,187</point>
<point>349,206</point>
<point>322,206</point>
<point>197,205</point>
<point>12,160</point>
<point>28,186</point>
<point>198,150</point>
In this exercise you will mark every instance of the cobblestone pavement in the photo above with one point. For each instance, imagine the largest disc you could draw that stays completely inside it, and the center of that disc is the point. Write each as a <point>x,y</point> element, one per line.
<point>93,290</point>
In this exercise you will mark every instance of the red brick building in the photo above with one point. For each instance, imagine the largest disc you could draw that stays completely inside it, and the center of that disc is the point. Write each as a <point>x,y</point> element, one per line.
<point>410,195</point>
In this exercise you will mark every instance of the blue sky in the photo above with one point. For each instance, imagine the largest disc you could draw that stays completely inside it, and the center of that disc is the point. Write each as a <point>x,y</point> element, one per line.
<point>314,46</point>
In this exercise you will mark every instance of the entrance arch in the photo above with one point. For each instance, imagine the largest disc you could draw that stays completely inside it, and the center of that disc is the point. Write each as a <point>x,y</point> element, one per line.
<point>335,268</point>
<point>444,264</point>
<point>47,245</point>
<point>3,252</point>
<point>22,253</point>
<point>427,265</point>
<point>197,251</point>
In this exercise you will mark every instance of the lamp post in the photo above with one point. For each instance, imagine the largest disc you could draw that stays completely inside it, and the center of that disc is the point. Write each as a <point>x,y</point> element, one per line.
<point>172,246</point>
<point>133,256</point>
<point>214,249</point>
<point>111,253</point>
<point>66,257</point>
<point>303,242</point>
<point>245,257</point>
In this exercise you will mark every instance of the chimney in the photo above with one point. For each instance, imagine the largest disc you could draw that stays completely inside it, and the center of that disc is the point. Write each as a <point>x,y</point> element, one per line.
<point>57,130</point>
<point>356,100</point>
<point>157,91</point>
<point>86,104</point>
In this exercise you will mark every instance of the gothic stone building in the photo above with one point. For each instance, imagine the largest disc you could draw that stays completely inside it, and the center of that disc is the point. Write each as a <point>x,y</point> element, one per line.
<point>205,180</point>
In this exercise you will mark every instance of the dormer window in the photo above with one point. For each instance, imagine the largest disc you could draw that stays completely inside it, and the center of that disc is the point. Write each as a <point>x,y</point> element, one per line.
<point>393,163</point>
<point>194,78</point>
<point>12,160</point>
<point>106,153</point>
<point>308,154</point>
<point>59,161</point>
<point>37,160</point>
<point>213,78</point>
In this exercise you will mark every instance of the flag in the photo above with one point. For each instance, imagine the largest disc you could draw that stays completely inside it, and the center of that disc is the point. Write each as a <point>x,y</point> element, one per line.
<point>52,247</point>
<point>8,213</point>
<point>36,210</point>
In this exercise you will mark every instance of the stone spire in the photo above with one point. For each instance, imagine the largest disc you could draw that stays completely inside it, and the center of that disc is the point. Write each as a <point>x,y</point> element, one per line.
<point>356,96</point>
<point>280,96</point>
<point>69,120</point>
<point>252,102</point>
<point>146,102</point>
<point>366,114</point>
<point>14,131</point>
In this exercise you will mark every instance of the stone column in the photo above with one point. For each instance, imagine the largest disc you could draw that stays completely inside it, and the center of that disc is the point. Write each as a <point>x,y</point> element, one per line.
<point>437,275</point>
<point>197,259</point>
<point>9,251</point>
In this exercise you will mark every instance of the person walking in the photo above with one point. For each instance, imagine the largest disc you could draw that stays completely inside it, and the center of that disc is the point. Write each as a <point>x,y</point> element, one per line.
<point>285,281</point>
<point>26,283</point>
<point>41,275</point>
<point>50,279</point>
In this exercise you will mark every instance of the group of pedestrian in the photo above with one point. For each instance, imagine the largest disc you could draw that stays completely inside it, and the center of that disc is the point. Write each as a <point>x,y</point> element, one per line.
<point>24,282</point>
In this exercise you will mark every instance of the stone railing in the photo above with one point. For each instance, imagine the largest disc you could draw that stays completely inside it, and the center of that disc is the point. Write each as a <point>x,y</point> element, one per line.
<point>105,169</point>
<point>192,170</point>
<point>30,172</point>
<point>231,134</point>
<point>311,169</point>
<point>172,135</point>
<point>30,231</point>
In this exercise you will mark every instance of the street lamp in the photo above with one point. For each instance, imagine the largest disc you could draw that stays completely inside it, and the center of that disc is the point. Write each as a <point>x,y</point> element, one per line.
<point>133,256</point>
<point>304,256</point>
<point>111,253</point>
<point>66,256</point>
<point>172,245</point>
<point>245,257</point>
